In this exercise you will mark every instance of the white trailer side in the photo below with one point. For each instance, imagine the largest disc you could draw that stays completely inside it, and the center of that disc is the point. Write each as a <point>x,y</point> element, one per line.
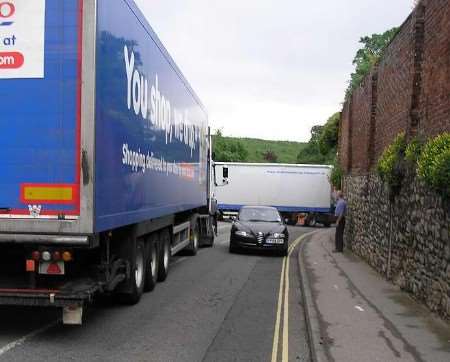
<point>291,188</point>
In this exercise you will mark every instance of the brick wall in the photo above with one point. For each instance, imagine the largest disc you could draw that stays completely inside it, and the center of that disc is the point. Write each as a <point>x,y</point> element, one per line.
<point>361,111</point>
<point>406,238</point>
<point>435,95</point>
<point>344,137</point>
<point>409,91</point>
<point>395,79</point>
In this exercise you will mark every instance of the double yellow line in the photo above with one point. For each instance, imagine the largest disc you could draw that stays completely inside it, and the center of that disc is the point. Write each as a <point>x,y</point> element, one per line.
<point>283,305</point>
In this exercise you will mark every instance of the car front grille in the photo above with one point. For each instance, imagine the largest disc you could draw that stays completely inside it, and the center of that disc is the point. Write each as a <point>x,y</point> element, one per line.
<point>260,237</point>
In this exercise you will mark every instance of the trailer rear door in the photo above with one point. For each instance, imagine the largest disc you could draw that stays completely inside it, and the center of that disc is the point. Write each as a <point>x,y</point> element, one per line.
<point>40,70</point>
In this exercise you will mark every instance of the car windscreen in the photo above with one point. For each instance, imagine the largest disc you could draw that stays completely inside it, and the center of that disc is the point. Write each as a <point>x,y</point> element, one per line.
<point>259,214</point>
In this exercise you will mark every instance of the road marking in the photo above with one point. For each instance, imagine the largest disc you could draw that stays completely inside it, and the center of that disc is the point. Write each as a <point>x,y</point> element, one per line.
<point>359,308</point>
<point>276,335</point>
<point>283,305</point>
<point>297,241</point>
<point>22,340</point>
<point>285,354</point>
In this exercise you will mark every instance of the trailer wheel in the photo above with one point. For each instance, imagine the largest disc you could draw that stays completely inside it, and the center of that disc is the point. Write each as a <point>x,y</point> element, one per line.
<point>208,241</point>
<point>195,237</point>
<point>312,221</point>
<point>164,255</point>
<point>136,282</point>
<point>152,263</point>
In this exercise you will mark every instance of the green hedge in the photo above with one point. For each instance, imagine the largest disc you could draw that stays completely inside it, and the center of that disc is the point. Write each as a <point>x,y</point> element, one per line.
<point>390,165</point>
<point>433,165</point>
<point>431,162</point>
<point>413,151</point>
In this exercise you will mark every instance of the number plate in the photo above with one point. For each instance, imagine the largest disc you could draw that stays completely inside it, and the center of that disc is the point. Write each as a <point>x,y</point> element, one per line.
<point>51,268</point>
<point>275,241</point>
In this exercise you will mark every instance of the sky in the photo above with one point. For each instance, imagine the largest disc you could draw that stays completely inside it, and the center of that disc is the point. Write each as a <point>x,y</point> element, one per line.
<point>269,69</point>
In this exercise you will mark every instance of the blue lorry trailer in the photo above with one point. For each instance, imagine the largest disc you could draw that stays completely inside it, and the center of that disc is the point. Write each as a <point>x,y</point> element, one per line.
<point>105,162</point>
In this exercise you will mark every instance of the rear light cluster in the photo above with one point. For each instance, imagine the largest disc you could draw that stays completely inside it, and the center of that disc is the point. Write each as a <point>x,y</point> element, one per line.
<point>51,256</point>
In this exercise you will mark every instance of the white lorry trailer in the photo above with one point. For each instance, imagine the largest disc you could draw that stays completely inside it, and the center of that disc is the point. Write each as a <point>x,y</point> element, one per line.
<point>295,190</point>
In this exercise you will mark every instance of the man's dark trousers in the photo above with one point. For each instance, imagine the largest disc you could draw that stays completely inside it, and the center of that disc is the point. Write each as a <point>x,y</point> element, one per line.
<point>340,235</point>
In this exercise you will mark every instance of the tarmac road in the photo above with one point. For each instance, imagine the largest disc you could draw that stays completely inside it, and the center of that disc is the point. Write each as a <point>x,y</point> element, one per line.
<point>215,306</point>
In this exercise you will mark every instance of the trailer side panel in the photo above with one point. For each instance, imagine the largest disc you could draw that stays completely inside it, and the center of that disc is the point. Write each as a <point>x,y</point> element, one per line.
<point>151,129</point>
<point>289,188</point>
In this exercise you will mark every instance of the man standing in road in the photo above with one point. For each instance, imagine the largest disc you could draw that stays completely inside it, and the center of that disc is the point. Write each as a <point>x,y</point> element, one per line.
<point>340,212</point>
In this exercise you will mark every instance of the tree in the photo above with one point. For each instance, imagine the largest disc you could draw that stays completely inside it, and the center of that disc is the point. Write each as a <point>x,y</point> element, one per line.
<point>270,156</point>
<point>322,146</point>
<point>228,150</point>
<point>329,135</point>
<point>368,56</point>
<point>316,131</point>
<point>311,154</point>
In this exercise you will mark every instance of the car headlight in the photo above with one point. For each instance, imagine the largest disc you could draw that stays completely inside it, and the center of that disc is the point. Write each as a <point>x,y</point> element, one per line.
<point>278,235</point>
<point>241,233</point>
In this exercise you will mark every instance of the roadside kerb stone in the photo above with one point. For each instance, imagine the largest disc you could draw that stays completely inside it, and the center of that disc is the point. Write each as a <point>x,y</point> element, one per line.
<point>318,353</point>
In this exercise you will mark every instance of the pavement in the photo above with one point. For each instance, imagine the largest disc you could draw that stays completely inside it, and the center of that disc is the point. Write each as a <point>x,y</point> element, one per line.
<point>215,306</point>
<point>354,314</point>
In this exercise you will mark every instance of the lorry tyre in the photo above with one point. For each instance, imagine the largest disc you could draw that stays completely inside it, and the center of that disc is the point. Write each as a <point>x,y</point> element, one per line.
<point>164,255</point>
<point>209,240</point>
<point>312,221</point>
<point>195,236</point>
<point>152,263</point>
<point>136,282</point>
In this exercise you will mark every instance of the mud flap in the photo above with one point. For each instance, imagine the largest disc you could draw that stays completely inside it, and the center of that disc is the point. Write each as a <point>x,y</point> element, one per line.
<point>73,315</point>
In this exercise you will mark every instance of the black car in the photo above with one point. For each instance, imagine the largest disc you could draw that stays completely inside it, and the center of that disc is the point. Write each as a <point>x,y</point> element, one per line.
<point>259,228</point>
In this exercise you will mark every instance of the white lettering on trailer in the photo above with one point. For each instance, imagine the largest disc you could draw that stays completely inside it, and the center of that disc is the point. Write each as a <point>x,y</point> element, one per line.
<point>175,123</point>
<point>129,65</point>
<point>140,162</point>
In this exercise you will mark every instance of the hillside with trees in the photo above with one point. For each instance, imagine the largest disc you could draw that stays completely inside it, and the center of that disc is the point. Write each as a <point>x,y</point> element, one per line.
<point>231,149</point>
<point>321,148</point>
